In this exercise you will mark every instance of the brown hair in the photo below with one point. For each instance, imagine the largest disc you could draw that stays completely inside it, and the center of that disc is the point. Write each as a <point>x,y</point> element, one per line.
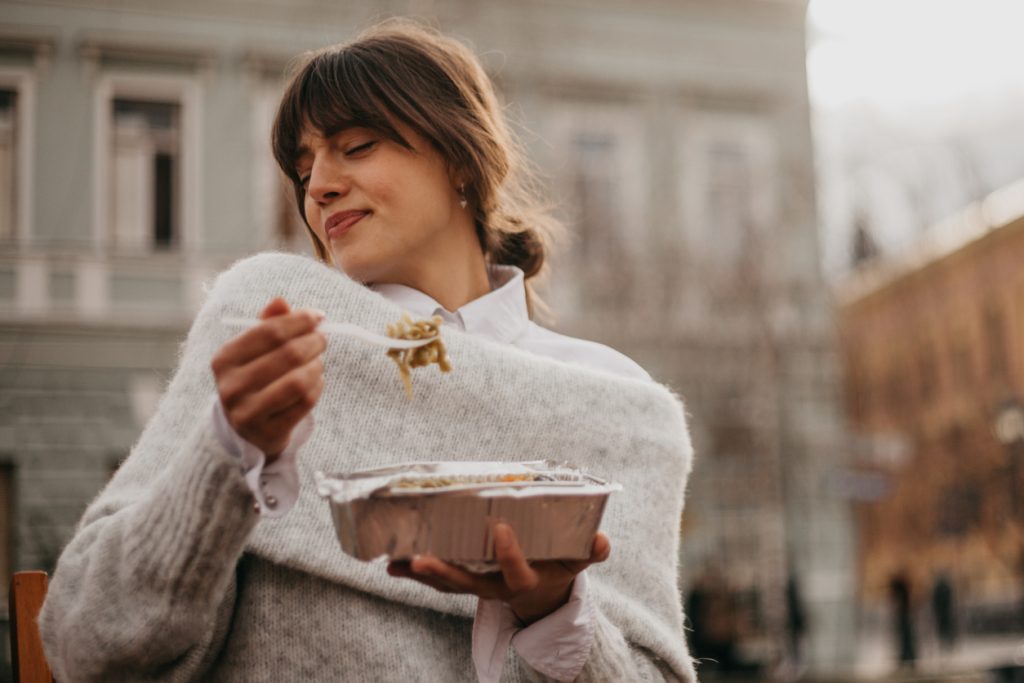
<point>402,71</point>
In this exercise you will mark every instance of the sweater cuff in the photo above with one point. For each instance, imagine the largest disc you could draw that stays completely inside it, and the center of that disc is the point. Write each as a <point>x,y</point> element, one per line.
<point>275,486</point>
<point>556,646</point>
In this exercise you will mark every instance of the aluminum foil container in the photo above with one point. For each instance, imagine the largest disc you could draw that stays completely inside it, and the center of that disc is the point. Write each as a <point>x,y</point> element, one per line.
<point>447,509</point>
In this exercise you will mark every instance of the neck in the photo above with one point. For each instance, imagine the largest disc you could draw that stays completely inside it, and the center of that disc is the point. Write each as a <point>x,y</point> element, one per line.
<point>455,287</point>
<point>453,277</point>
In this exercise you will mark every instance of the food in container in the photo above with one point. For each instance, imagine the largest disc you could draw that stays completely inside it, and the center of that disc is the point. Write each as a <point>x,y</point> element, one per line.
<point>447,509</point>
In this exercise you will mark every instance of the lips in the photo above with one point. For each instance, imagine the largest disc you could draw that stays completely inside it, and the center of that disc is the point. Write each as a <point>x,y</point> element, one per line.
<point>340,223</point>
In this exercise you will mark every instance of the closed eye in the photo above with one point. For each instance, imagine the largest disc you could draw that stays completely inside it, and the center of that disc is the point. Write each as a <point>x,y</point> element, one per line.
<point>360,149</point>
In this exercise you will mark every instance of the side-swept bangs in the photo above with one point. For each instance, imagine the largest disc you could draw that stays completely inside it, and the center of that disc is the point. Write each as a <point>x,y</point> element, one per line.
<point>332,91</point>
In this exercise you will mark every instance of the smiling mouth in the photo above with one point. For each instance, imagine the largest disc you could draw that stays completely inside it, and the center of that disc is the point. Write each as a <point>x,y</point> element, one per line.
<point>340,223</point>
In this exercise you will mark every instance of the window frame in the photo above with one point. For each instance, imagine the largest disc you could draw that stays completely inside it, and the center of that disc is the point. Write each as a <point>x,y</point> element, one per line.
<point>186,92</point>
<point>754,134</point>
<point>22,81</point>
<point>626,122</point>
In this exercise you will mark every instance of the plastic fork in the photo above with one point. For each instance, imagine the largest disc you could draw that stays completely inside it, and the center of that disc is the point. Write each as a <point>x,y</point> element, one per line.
<point>347,329</point>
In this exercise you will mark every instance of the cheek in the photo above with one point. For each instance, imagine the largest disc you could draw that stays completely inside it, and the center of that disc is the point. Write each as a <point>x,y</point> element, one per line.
<point>383,189</point>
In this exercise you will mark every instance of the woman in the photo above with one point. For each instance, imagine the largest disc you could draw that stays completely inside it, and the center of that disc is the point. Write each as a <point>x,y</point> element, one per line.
<point>208,557</point>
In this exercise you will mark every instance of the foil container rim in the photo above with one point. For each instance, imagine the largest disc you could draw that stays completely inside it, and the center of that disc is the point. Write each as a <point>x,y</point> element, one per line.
<point>377,482</point>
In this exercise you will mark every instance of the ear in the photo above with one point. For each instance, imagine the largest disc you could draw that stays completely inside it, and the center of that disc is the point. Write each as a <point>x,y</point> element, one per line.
<point>458,177</point>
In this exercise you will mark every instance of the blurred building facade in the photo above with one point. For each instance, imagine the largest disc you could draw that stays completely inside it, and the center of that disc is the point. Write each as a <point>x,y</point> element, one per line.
<point>135,164</point>
<point>934,367</point>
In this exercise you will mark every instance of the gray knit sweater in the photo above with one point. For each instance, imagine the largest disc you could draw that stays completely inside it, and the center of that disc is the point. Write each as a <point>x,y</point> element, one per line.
<point>173,576</point>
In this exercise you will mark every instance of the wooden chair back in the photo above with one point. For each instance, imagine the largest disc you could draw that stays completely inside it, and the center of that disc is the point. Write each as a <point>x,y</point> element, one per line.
<point>28,590</point>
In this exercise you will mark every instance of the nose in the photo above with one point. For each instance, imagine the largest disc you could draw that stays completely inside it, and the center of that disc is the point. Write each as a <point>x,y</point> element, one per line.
<point>327,180</point>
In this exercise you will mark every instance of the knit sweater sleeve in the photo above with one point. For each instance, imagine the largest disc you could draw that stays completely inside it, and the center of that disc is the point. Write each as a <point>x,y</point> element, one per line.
<point>613,658</point>
<point>145,588</point>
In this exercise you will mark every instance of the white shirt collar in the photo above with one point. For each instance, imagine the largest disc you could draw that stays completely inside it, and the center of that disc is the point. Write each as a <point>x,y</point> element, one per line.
<point>500,315</point>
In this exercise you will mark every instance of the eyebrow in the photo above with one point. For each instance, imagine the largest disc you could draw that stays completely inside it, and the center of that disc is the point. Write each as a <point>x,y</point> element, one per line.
<point>301,150</point>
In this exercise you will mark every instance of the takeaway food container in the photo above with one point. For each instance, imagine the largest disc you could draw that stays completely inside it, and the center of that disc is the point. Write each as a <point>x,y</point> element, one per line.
<point>447,509</point>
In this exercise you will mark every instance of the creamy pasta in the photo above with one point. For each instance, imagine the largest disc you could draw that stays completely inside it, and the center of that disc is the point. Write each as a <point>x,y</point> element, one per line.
<point>431,353</point>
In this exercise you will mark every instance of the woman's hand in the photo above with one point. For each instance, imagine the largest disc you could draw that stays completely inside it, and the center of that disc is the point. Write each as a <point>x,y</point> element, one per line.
<point>533,591</point>
<point>269,377</point>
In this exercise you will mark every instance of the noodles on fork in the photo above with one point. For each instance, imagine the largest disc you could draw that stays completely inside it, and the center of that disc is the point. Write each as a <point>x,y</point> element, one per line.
<point>406,359</point>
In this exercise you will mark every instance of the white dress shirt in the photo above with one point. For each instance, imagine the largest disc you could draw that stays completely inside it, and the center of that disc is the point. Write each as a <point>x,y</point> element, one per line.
<point>557,645</point>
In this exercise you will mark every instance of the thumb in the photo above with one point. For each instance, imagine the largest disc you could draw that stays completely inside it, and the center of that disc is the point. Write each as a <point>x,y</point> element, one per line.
<point>599,552</point>
<point>277,306</point>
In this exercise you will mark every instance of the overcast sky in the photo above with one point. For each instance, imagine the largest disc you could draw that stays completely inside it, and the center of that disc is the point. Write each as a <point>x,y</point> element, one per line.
<point>917,110</point>
<point>907,54</point>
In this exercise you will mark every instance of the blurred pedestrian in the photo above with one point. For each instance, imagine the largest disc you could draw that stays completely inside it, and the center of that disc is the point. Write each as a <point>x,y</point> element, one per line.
<point>796,621</point>
<point>900,595</point>
<point>944,611</point>
<point>714,613</point>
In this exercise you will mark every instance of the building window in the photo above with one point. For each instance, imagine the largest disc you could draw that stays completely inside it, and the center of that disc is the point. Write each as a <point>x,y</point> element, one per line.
<point>599,215</point>
<point>896,395</point>
<point>731,437</point>
<point>995,341</point>
<point>962,369</point>
<point>928,379</point>
<point>8,163</point>
<point>17,106</point>
<point>145,164</point>
<point>147,179</point>
<point>729,201</point>
<point>601,169</point>
<point>959,509</point>
<point>593,179</point>
<point>729,209</point>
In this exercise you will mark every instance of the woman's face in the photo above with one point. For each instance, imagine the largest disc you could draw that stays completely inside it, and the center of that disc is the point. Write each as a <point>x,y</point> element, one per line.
<point>382,210</point>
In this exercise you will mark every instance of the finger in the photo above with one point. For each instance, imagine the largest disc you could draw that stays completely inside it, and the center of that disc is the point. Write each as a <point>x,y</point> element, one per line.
<point>254,413</point>
<point>296,386</point>
<point>399,568</point>
<point>428,581</point>
<point>599,552</point>
<point>518,574</point>
<point>266,336</point>
<point>602,549</point>
<point>456,579</point>
<point>278,428</point>
<point>403,570</point>
<point>277,306</point>
<point>237,382</point>
<point>434,583</point>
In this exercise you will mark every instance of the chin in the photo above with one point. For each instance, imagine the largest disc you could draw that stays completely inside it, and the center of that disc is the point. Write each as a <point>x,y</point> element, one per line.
<point>361,270</point>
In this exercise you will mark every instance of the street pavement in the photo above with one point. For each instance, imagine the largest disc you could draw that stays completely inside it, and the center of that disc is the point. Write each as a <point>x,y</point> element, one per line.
<point>971,659</point>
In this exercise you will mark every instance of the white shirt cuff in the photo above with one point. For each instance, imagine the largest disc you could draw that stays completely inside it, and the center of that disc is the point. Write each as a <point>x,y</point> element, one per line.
<point>275,486</point>
<point>557,645</point>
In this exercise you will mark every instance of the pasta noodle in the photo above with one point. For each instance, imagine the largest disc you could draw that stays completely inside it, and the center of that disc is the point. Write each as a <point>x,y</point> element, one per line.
<point>406,359</point>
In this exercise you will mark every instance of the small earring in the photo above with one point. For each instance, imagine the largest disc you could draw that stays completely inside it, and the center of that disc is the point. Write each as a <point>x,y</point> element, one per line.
<point>462,195</point>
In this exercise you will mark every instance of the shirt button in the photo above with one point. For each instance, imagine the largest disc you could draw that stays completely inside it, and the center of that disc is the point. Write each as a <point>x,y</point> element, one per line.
<point>271,502</point>
<point>256,506</point>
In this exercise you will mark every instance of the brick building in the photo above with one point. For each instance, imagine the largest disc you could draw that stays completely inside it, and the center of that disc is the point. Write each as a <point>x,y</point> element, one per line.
<point>933,352</point>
